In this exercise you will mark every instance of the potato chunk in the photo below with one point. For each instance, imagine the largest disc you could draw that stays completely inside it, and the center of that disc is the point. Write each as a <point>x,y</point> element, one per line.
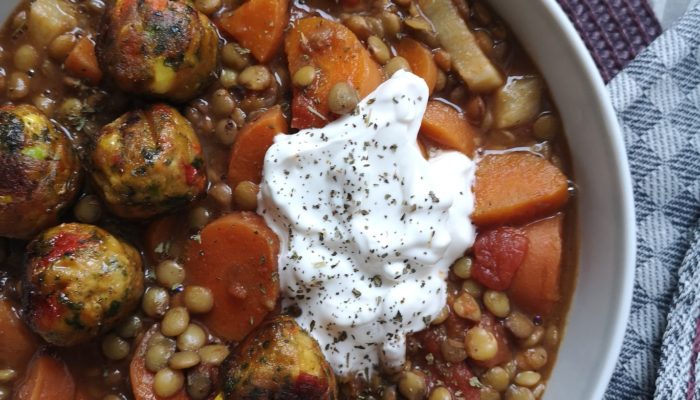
<point>50,18</point>
<point>517,102</point>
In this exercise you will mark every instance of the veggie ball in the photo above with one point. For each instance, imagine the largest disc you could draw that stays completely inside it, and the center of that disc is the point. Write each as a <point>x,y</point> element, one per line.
<point>39,173</point>
<point>147,162</point>
<point>80,281</point>
<point>278,361</point>
<point>160,48</point>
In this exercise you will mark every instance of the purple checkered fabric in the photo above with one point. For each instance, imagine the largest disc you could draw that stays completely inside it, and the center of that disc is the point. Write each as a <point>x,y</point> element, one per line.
<point>615,31</point>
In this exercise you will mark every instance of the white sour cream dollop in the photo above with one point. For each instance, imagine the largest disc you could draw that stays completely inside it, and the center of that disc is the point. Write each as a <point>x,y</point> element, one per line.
<point>368,227</point>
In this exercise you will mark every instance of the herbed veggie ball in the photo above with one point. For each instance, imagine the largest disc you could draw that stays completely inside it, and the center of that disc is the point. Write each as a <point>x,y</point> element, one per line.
<point>160,48</point>
<point>39,173</point>
<point>278,361</point>
<point>147,162</point>
<point>80,281</point>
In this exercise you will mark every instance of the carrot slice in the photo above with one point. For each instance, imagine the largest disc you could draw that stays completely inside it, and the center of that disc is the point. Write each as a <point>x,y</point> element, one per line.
<point>82,61</point>
<point>535,287</point>
<point>338,56</point>
<point>248,152</point>
<point>258,25</point>
<point>517,187</point>
<point>141,378</point>
<point>448,128</point>
<point>420,59</point>
<point>47,378</point>
<point>17,342</point>
<point>236,259</point>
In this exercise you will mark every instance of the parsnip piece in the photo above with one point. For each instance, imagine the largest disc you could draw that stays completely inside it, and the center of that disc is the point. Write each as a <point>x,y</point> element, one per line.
<point>50,18</point>
<point>517,102</point>
<point>473,66</point>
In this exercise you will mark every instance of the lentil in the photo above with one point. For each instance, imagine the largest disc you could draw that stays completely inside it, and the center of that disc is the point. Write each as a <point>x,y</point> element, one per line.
<point>226,131</point>
<point>221,192</point>
<point>245,196</point>
<point>535,358</point>
<point>228,78</point>
<point>391,23</point>
<point>130,327</point>
<point>256,77</point>
<point>546,127</point>
<point>412,386</point>
<point>208,6</point>
<point>444,313</point>
<point>481,345</point>
<point>497,303</point>
<point>378,49</point>
<point>304,76</point>
<point>18,85</point>
<point>396,64</point>
<point>487,393</point>
<point>170,273</point>
<point>527,378</point>
<point>26,58</point>
<point>463,267</point>
<point>519,393</point>
<point>342,98</point>
<point>157,357</point>
<point>198,299</point>
<point>535,337</point>
<point>167,382</point>
<point>213,354</point>
<point>175,321</point>
<point>440,393</point>
<point>473,288</point>
<point>199,217</point>
<point>222,103</point>
<point>198,385</point>
<point>519,325</point>
<point>497,378</point>
<point>156,302</point>
<point>234,56</point>
<point>7,375</point>
<point>183,360</point>
<point>551,336</point>
<point>453,351</point>
<point>193,338</point>
<point>115,348</point>
<point>466,307</point>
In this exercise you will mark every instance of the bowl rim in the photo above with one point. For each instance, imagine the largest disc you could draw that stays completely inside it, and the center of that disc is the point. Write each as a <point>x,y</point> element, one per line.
<point>615,139</point>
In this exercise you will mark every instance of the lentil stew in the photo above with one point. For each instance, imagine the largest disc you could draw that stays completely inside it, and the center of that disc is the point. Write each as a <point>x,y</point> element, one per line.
<point>132,140</point>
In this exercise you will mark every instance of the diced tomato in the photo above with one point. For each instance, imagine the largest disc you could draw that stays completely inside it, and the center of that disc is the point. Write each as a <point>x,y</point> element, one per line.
<point>498,254</point>
<point>303,115</point>
<point>430,339</point>
<point>456,377</point>
<point>191,174</point>
<point>66,243</point>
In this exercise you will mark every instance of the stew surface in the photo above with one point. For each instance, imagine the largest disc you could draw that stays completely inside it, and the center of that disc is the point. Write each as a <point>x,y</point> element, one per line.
<point>133,136</point>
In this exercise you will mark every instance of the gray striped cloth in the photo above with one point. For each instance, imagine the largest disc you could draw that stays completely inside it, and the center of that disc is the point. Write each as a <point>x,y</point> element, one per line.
<point>657,98</point>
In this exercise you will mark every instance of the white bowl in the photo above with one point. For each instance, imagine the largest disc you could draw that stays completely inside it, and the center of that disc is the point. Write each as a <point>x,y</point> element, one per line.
<point>601,303</point>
